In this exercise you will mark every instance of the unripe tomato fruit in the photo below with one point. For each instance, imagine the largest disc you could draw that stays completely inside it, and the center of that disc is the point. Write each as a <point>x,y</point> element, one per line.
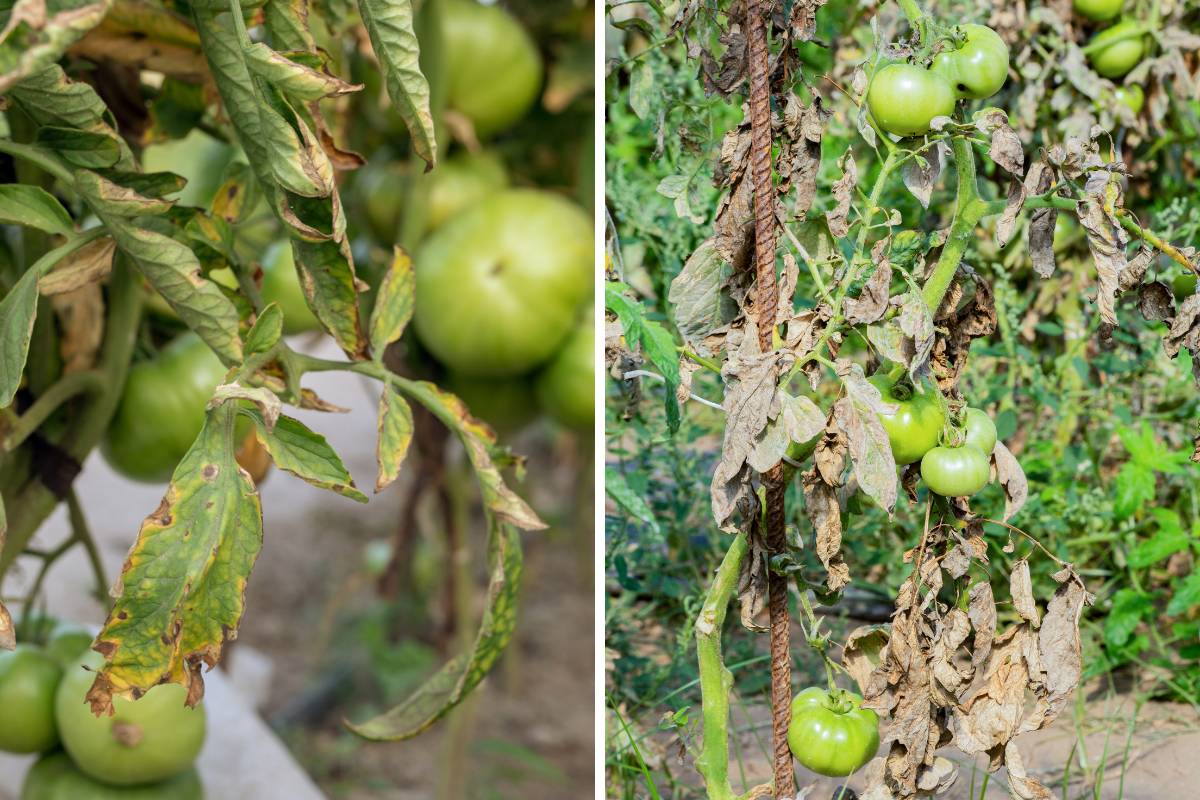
<point>915,427</point>
<point>981,431</point>
<point>955,471</point>
<point>977,69</point>
<point>831,733</point>
<point>54,777</point>
<point>1118,58</point>
<point>498,287</point>
<point>566,387</point>
<point>149,739</point>
<point>281,285</point>
<point>460,182</point>
<point>28,678</point>
<point>1099,10</point>
<point>67,643</point>
<point>1132,96</point>
<point>495,69</point>
<point>904,99</point>
<point>162,409</point>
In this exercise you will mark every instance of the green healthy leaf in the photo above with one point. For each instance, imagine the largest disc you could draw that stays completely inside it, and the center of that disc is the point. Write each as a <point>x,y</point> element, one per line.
<point>296,80</point>
<point>395,435</point>
<point>181,592</point>
<point>393,303</point>
<point>34,207</point>
<point>656,342</point>
<point>87,149</point>
<point>1185,595</point>
<point>1129,606</point>
<point>1134,488</point>
<point>36,34</point>
<point>1170,538</point>
<point>18,310</point>
<point>389,25</point>
<point>296,449</point>
<point>616,487</point>
<point>461,674</point>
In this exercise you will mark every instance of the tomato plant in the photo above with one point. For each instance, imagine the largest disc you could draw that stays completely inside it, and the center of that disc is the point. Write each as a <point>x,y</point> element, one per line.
<point>55,777</point>
<point>979,67</point>
<point>904,99</point>
<point>151,739</point>
<point>830,732</point>
<point>1099,10</point>
<point>28,678</point>
<point>1118,48</point>
<point>500,286</point>
<point>955,471</point>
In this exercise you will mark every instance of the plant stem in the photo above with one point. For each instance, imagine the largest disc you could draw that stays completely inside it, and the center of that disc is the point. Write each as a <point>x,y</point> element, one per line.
<point>83,534</point>
<point>967,213</point>
<point>40,158</point>
<point>65,388</point>
<point>716,680</point>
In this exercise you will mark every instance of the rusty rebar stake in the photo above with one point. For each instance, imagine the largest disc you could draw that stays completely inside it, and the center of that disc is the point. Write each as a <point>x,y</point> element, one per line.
<point>766,299</point>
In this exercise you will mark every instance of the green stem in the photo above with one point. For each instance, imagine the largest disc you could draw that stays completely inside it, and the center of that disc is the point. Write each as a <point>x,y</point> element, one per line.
<point>716,680</point>
<point>65,388</point>
<point>707,363</point>
<point>83,534</point>
<point>1132,33</point>
<point>967,213</point>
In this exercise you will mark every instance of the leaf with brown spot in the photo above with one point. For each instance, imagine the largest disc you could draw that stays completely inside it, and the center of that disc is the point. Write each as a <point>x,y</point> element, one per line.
<point>89,264</point>
<point>821,505</point>
<point>1012,478</point>
<point>843,193</point>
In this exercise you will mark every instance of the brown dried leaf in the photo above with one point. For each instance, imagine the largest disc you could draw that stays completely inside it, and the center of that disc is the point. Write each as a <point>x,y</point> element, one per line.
<point>1107,241</point>
<point>88,264</point>
<point>1021,588</point>
<point>920,174</point>
<point>843,193</point>
<point>8,636</point>
<point>1012,478</point>
<point>821,505</point>
<point>1012,209</point>
<point>1156,301</point>
<point>864,651</point>
<point>80,314</point>
<point>857,414</point>
<point>872,302</point>
<point>981,609</point>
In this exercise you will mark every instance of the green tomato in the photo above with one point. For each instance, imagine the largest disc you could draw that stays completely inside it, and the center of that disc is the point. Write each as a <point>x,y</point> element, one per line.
<point>1184,285</point>
<point>68,643</point>
<point>55,777</point>
<point>977,69</point>
<point>1116,59</point>
<point>920,416</point>
<point>1099,10</point>
<point>281,285</point>
<point>460,182</point>
<point>498,288</point>
<point>955,471</point>
<point>904,99</point>
<point>494,69</point>
<point>380,187</point>
<point>507,404</point>
<point>149,739</point>
<point>1132,96</point>
<point>162,409</point>
<point>566,387</point>
<point>1065,231</point>
<point>981,431</point>
<point>28,678</point>
<point>831,733</point>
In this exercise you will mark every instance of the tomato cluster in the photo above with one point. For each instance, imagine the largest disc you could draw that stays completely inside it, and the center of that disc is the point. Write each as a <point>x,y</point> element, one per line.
<point>905,98</point>
<point>959,468</point>
<point>1115,50</point>
<point>145,750</point>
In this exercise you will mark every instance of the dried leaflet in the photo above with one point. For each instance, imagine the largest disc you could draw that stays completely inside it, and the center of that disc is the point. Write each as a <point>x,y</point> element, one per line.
<point>843,192</point>
<point>921,173</point>
<point>1107,241</point>
<point>821,505</point>
<point>857,415</point>
<point>1042,221</point>
<point>1012,478</point>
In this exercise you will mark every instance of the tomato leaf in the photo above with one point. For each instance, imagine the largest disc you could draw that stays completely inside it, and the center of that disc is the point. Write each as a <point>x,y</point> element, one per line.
<point>393,304</point>
<point>37,34</point>
<point>389,25</point>
<point>307,455</point>
<point>395,435</point>
<point>656,342</point>
<point>267,330</point>
<point>18,310</point>
<point>34,207</point>
<point>87,265</point>
<point>181,591</point>
<point>616,487</point>
<point>461,674</point>
<point>87,149</point>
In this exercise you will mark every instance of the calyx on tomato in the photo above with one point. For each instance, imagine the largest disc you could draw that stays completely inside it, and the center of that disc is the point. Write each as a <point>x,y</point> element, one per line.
<point>917,423</point>
<point>979,67</point>
<point>1125,51</point>
<point>904,98</point>
<point>831,733</point>
<point>980,430</point>
<point>955,471</point>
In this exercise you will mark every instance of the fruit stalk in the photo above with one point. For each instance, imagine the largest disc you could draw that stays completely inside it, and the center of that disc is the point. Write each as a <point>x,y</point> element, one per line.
<point>766,298</point>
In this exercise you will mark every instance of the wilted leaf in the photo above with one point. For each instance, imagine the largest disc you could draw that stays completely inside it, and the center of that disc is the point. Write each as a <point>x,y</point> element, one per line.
<point>821,506</point>
<point>88,264</point>
<point>843,193</point>
<point>1012,478</point>
<point>394,437</point>
<point>393,303</point>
